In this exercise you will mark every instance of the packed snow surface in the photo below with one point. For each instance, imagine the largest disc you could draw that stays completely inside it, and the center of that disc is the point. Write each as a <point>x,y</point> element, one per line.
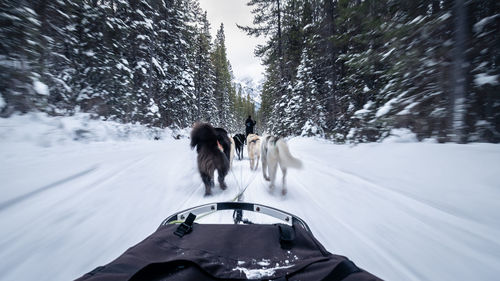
<point>401,210</point>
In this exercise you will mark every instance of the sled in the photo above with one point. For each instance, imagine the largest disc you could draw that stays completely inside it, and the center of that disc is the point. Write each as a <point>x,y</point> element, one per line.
<point>183,249</point>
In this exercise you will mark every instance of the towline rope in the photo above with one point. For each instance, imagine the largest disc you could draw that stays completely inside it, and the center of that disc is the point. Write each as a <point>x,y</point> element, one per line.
<point>237,198</point>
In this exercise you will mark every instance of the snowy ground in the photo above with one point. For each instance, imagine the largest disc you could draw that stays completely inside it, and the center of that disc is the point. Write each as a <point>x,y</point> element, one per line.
<point>403,211</point>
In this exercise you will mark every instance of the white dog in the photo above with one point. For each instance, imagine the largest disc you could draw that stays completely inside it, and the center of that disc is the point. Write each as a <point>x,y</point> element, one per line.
<point>253,146</point>
<point>275,150</point>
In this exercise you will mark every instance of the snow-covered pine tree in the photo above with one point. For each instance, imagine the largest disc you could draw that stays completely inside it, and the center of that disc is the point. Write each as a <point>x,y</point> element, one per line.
<point>239,109</point>
<point>65,63</point>
<point>222,80</point>
<point>139,56</point>
<point>483,76</point>
<point>231,122</point>
<point>268,22</point>
<point>121,100</point>
<point>415,96</point>
<point>20,47</point>
<point>93,58</point>
<point>177,100</point>
<point>292,41</point>
<point>357,38</point>
<point>307,103</point>
<point>204,76</point>
<point>268,96</point>
<point>52,62</point>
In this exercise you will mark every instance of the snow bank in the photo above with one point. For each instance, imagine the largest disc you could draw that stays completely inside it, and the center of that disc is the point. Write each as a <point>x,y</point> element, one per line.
<point>401,136</point>
<point>43,130</point>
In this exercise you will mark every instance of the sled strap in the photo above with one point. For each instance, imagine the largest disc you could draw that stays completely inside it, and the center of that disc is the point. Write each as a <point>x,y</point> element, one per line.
<point>185,227</point>
<point>342,270</point>
<point>287,235</point>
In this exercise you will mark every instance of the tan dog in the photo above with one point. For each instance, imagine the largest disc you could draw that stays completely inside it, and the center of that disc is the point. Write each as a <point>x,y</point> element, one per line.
<point>253,146</point>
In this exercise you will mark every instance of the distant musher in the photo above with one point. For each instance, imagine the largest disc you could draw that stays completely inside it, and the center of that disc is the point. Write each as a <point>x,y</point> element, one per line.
<point>249,124</point>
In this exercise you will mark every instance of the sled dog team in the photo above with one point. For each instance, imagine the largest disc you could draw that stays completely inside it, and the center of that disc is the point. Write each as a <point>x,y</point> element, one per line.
<point>216,151</point>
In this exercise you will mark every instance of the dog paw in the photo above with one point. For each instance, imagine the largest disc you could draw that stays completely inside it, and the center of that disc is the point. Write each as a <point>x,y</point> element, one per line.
<point>223,186</point>
<point>283,192</point>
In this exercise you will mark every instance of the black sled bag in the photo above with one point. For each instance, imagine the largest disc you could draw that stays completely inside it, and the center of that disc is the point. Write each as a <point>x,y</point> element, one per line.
<point>192,251</point>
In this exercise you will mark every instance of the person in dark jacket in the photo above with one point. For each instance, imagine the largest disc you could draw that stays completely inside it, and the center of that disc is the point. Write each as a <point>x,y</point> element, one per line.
<point>249,124</point>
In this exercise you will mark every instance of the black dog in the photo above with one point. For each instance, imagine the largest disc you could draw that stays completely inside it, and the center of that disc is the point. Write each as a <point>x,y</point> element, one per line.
<point>210,155</point>
<point>239,142</point>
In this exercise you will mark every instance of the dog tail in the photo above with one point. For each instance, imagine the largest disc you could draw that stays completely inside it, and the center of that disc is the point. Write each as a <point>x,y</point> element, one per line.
<point>232,151</point>
<point>286,158</point>
<point>203,133</point>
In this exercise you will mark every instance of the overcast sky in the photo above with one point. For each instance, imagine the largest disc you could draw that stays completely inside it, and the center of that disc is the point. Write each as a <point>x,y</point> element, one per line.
<point>239,46</point>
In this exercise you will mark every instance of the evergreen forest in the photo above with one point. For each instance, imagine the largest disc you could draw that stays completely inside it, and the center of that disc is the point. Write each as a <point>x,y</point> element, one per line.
<point>346,70</point>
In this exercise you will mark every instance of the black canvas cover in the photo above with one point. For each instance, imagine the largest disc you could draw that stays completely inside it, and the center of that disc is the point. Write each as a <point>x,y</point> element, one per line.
<point>229,252</point>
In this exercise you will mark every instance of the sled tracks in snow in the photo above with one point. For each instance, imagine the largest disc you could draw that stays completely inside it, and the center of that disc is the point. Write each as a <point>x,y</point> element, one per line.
<point>28,195</point>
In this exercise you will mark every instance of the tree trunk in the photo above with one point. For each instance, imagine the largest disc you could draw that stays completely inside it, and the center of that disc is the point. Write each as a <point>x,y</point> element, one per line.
<point>457,100</point>
<point>280,47</point>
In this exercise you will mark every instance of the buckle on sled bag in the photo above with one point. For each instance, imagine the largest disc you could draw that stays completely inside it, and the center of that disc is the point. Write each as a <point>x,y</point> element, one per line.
<point>287,235</point>
<point>185,227</point>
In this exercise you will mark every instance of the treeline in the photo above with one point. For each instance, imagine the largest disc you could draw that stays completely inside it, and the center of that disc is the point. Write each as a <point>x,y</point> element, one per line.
<point>352,70</point>
<point>152,62</point>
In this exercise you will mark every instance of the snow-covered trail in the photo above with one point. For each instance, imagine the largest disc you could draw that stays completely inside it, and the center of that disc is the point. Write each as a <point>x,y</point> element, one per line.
<point>386,221</point>
<point>403,211</point>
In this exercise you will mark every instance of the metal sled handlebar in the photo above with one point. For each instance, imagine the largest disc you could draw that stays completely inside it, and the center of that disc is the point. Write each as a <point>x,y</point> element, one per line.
<point>213,207</point>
